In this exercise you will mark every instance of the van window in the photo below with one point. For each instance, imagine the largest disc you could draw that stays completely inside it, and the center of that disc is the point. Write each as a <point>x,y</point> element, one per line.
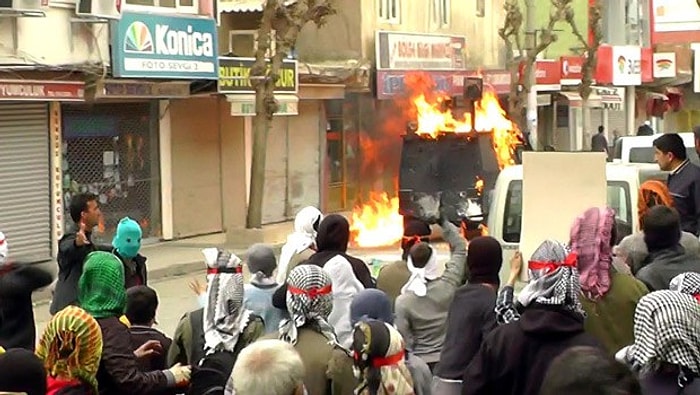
<point>618,199</point>
<point>513,215</point>
<point>646,155</point>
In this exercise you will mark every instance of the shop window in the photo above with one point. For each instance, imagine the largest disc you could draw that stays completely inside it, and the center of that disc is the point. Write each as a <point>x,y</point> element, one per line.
<point>112,151</point>
<point>562,116</point>
<point>389,11</point>
<point>342,154</point>
<point>183,6</point>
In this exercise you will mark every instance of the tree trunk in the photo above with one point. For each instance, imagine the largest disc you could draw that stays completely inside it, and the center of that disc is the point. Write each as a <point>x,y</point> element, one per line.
<point>586,124</point>
<point>261,129</point>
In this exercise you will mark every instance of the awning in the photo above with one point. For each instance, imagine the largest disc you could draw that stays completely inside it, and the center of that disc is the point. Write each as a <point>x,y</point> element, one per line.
<point>245,5</point>
<point>575,100</point>
<point>243,105</point>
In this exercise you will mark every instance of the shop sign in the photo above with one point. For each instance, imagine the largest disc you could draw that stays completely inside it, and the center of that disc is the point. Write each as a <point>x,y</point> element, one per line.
<point>391,83</point>
<point>571,70</point>
<point>234,76</point>
<point>664,65</point>
<point>610,97</point>
<point>547,74</point>
<point>141,89</point>
<point>676,15</point>
<point>413,51</point>
<point>619,65</point>
<point>27,90</point>
<point>244,105</point>
<point>164,46</point>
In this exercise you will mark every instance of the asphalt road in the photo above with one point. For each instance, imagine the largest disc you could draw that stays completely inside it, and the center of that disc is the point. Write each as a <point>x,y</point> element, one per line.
<point>176,298</point>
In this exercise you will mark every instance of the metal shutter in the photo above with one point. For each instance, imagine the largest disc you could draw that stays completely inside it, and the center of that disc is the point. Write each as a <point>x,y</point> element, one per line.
<point>25,205</point>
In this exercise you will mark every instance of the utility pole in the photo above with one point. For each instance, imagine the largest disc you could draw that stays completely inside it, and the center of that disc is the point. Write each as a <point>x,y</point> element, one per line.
<point>531,35</point>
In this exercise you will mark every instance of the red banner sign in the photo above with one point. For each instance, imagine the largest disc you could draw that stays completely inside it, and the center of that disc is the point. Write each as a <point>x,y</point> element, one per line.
<point>26,90</point>
<point>571,70</point>
<point>547,74</point>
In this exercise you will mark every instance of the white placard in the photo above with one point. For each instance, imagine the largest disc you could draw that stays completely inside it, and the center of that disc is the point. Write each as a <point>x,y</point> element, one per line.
<point>558,187</point>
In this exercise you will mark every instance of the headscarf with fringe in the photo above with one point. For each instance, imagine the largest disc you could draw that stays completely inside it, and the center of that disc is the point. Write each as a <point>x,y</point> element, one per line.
<point>591,241</point>
<point>71,346</point>
<point>652,193</point>
<point>224,315</point>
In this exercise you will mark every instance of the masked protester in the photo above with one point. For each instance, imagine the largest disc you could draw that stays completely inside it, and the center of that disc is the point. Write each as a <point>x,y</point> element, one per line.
<point>71,366</point>
<point>21,372</point>
<point>379,360</point>
<point>548,319</point>
<point>666,349</point>
<point>301,244</point>
<point>258,292</point>
<point>127,244</point>
<point>106,302</point>
<point>608,297</point>
<point>373,304</point>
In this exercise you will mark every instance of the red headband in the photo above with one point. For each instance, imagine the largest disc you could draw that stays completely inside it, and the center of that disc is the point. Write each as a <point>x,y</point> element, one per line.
<point>569,261</point>
<point>311,292</point>
<point>378,362</point>
<point>238,269</point>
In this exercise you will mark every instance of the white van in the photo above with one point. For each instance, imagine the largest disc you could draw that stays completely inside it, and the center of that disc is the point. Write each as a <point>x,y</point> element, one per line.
<point>505,208</point>
<point>640,149</point>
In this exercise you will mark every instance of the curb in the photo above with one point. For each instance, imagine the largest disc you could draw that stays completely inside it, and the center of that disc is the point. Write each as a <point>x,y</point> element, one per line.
<point>43,296</point>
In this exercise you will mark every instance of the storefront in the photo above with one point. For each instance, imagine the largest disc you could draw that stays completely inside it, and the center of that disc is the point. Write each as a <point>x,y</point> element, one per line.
<point>292,172</point>
<point>27,195</point>
<point>112,146</point>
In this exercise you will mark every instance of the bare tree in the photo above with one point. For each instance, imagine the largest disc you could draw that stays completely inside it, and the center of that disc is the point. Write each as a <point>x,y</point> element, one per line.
<point>513,35</point>
<point>590,52</point>
<point>286,21</point>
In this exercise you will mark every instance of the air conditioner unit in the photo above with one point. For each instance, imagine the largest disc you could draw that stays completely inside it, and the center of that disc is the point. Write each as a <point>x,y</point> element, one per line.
<point>99,9</point>
<point>24,7</point>
<point>244,43</point>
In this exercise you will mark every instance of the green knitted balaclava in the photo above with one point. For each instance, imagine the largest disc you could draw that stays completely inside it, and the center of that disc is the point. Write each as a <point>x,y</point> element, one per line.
<point>101,287</point>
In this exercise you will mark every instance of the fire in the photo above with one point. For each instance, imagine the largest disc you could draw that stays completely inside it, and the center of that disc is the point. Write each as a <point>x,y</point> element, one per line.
<point>434,119</point>
<point>377,223</point>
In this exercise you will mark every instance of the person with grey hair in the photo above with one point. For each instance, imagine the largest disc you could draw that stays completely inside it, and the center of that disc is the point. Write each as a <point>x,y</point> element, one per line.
<point>258,292</point>
<point>267,367</point>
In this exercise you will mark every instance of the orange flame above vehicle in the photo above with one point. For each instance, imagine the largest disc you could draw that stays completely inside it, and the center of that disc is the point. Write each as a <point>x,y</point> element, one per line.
<point>377,221</point>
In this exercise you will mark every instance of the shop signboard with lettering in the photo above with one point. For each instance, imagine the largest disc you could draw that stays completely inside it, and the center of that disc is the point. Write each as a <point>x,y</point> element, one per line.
<point>412,51</point>
<point>234,76</point>
<point>148,45</point>
<point>619,65</point>
<point>391,83</point>
<point>28,90</point>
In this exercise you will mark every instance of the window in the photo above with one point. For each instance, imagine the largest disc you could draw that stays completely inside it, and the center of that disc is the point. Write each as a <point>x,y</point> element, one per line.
<point>389,11</point>
<point>513,214</point>
<point>480,8</point>
<point>646,154</point>
<point>618,199</point>
<point>184,6</point>
<point>441,13</point>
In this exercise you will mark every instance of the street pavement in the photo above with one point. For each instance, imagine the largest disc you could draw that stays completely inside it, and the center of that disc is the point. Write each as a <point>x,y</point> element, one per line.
<point>175,297</point>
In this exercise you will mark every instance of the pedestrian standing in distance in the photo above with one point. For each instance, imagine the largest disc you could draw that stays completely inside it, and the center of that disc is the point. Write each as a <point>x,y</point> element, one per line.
<point>598,142</point>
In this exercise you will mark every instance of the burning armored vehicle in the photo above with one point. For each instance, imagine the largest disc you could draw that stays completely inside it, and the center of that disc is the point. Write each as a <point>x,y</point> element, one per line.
<point>449,161</point>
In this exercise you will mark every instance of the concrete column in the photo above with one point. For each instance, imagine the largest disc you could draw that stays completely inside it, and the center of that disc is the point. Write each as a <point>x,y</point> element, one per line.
<point>630,108</point>
<point>166,169</point>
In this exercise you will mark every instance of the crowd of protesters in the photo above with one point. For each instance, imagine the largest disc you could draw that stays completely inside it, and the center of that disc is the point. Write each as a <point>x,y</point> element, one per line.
<point>599,314</point>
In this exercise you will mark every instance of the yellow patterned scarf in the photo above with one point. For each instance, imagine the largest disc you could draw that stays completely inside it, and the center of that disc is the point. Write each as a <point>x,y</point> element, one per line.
<point>71,346</point>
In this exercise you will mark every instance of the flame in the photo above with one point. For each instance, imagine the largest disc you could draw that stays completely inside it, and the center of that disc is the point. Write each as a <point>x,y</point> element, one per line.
<point>377,223</point>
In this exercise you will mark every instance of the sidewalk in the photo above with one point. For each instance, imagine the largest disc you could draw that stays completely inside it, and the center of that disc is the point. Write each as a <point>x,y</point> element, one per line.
<point>184,256</point>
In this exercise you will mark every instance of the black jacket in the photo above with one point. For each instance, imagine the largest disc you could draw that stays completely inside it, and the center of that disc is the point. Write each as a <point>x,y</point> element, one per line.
<point>685,190</point>
<point>664,265</point>
<point>135,272</point>
<point>17,329</point>
<point>70,267</point>
<point>514,358</point>
<point>470,319</point>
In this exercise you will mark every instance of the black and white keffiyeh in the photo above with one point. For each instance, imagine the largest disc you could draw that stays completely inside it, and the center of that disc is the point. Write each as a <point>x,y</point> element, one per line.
<point>309,301</point>
<point>666,330</point>
<point>687,283</point>
<point>224,314</point>
<point>554,279</point>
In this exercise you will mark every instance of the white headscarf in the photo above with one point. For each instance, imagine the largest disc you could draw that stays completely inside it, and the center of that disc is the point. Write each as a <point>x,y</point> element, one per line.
<point>418,281</point>
<point>4,250</point>
<point>305,224</point>
<point>345,287</point>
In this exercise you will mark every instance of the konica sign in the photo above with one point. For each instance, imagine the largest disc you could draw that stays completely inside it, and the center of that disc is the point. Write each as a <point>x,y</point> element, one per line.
<point>162,46</point>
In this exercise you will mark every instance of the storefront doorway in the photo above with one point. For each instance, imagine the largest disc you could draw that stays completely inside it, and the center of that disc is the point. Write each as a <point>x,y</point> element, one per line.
<point>111,150</point>
<point>342,155</point>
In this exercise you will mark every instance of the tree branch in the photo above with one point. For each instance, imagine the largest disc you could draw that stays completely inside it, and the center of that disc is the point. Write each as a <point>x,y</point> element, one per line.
<point>595,17</point>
